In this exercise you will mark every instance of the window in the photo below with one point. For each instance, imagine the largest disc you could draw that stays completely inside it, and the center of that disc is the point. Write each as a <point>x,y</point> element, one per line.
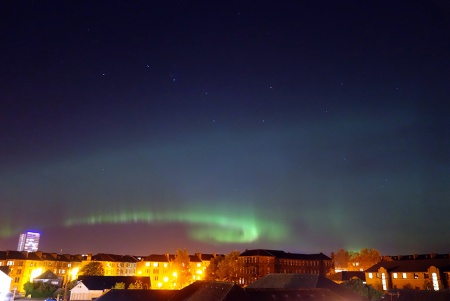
<point>435,281</point>
<point>416,276</point>
<point>404,275</point>
<point>383,281</point>
<point>370,275</point>
<point>395,275</point>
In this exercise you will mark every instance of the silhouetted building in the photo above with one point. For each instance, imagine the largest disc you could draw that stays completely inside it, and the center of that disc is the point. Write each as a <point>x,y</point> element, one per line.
<point>260,262</point>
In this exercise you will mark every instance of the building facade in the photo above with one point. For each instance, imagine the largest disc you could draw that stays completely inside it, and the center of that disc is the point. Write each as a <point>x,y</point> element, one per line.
<point>419,272</point>
<point>28,242</point>
<point>260,262</point>
<point>25,266</point>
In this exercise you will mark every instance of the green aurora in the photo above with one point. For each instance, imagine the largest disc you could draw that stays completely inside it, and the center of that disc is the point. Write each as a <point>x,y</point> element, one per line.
<point>202,226</point>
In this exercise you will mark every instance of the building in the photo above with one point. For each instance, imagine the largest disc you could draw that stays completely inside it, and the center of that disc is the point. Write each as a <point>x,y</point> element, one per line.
<point>25,266</point>
<point>5,282</point>
<point>156,266</point>
<point>314,284</point>
<point>91,287</point>
<point>344,276</point>
<point>162,273</point>
<point>418,272</point>
<point>261,262</point>
<point>114,265</point>
<point>28,242</point>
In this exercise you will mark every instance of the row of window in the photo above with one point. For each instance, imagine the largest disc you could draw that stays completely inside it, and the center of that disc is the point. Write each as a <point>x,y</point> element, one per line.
<point>44,263</point>
<point>300,262</point>
<point>403,275</point>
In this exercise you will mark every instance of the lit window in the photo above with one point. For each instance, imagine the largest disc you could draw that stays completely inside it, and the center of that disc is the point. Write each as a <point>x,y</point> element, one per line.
<point>395,275</point>
<point>404,275</point>
<point>370,275</point>
<point>383,281</point>
<point>147,264</point>
<point>435,281</point>
<point>155,264</point>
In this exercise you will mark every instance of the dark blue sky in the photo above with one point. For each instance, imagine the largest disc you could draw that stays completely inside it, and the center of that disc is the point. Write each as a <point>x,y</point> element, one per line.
<point>147,126</point>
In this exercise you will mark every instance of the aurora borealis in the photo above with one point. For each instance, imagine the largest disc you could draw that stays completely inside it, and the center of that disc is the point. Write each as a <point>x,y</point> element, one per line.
<point>138,128</point>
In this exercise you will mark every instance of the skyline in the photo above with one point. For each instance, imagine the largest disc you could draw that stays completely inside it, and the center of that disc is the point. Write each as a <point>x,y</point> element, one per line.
<point>148,127</point>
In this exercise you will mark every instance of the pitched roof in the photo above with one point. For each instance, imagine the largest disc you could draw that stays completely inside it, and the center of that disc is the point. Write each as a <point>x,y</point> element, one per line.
<point>47,275</point>
<point>113,258</point>
<point>226,291</point>
<point>299,281</point>
<point>14,255</point>
<point>156,258</point>
<point>284,255</point>
<point>194,258</point>
<point>203,290</point>
<point>347,275</point>
<point>4,269</point>
<point>415,265</point>
<point>316,294</point>
<point>207,257</point>
<point>108,282</point>
<point>137,295</point>
<point>263,252</point>
<point>290,281</point>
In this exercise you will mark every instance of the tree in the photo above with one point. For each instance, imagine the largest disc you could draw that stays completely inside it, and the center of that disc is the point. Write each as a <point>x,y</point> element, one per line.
<point>39,289</point>
<point>137,285</point>
<point>366,258</point>
<point>362,289</point>
<point>119,286</point>
<point>93,268</point>
<point>182,267</point>
<point>341,259</point>
<point>359,260</point>
<point>213,267</point>
<point>230,268</point>
<point>28,287</point>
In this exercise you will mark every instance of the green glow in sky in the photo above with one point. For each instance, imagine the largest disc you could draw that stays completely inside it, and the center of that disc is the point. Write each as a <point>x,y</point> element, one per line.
<point>202,226</point>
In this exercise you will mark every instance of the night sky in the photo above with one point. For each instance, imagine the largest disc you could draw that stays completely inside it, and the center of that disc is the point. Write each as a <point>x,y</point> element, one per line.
<point>139,127</point>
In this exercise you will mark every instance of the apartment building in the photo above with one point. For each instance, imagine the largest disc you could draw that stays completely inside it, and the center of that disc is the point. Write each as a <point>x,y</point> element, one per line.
<point>114,265</point>
<point>261,262</point>
<point>25,266</point>
<point>419,272</point>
